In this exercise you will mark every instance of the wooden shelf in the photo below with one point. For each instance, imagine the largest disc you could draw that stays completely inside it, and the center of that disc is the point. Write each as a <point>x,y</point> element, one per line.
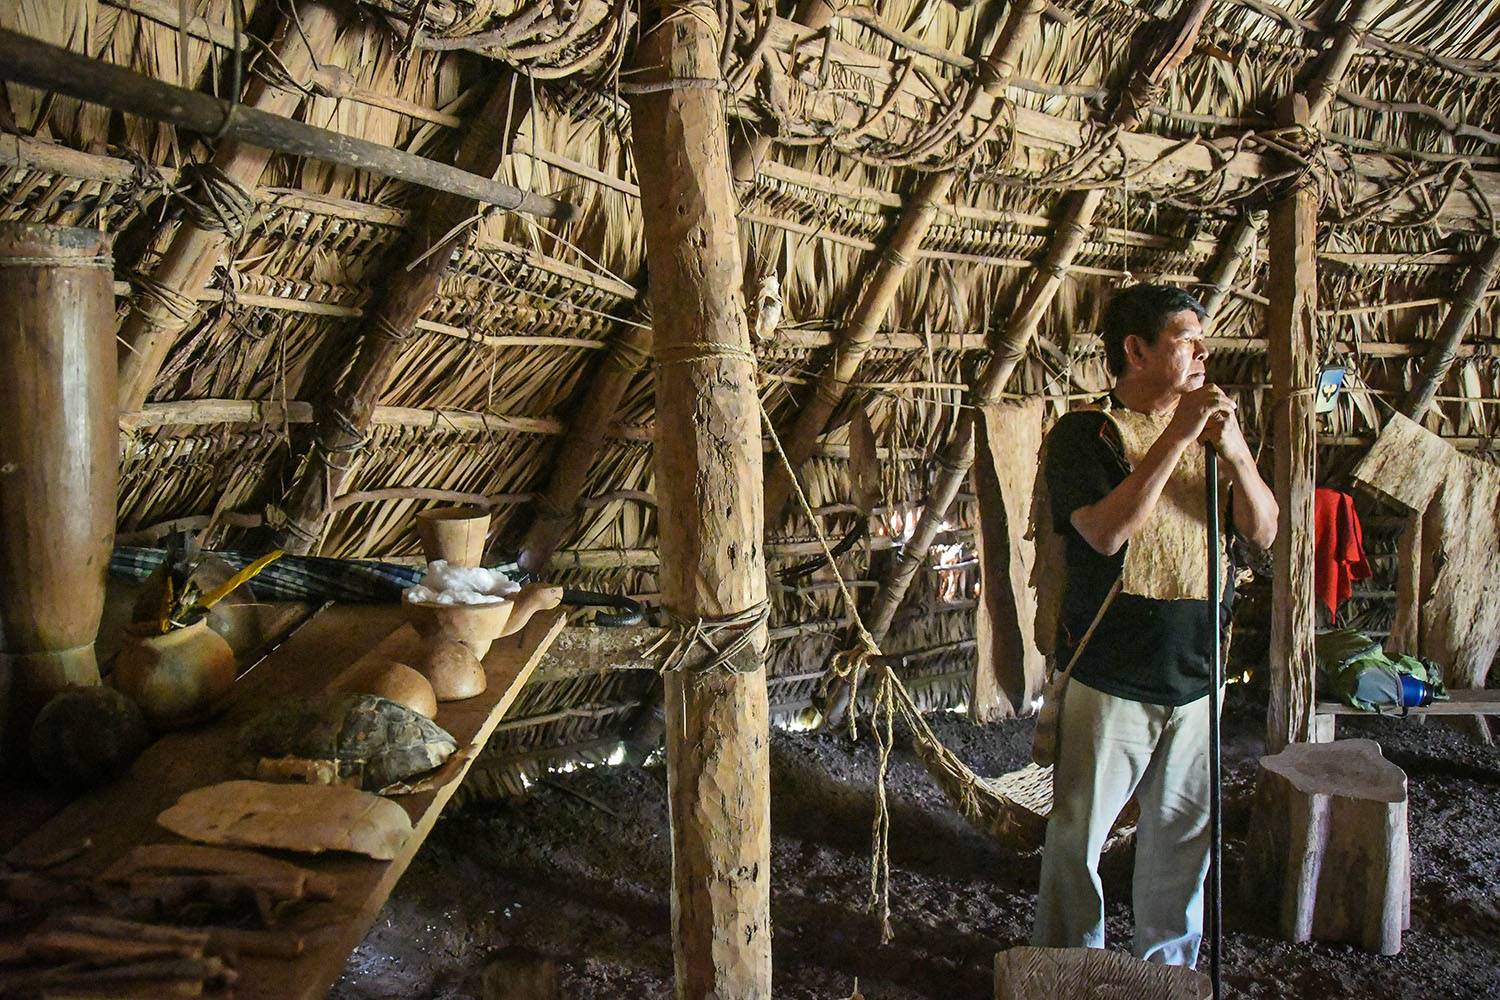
<point>1466,702</point>
<point>122,815</point>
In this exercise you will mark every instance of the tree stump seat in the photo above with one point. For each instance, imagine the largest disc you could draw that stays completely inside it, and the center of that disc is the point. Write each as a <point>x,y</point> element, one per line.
<point>1329,840</point>
<point>1028,973</point>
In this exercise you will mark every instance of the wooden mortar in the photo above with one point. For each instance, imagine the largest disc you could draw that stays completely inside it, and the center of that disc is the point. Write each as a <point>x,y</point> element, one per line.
<point>59,459</point>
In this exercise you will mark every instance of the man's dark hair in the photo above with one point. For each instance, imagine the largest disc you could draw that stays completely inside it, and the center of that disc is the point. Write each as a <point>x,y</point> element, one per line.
<point>1141,310</point>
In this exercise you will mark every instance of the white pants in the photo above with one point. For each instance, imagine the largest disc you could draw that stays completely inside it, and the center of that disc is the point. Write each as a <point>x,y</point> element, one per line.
<point>1108,749</point>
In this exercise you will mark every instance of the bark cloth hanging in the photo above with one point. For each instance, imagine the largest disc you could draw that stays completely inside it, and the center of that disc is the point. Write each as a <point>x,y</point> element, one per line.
<point>1459,498</point>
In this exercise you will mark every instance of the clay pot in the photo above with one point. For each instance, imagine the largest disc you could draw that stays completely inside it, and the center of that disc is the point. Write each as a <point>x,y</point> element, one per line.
<point>454,672</point>
<point>395,681</point>
<point>178,678</point>
<point>456,534</point>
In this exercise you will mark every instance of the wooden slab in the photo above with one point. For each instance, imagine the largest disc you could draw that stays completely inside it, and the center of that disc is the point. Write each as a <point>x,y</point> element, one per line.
<point>1473,701</point>
<point>123,815</point>
<point>1028,973</point>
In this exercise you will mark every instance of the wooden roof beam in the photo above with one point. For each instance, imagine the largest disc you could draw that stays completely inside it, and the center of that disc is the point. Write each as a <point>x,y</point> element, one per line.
<point>345,410</point>
<point>890,269</point>
<point>957,455</point>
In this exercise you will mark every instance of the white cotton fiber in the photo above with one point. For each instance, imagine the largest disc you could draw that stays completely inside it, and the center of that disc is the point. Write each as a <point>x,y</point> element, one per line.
<point>445,584</point>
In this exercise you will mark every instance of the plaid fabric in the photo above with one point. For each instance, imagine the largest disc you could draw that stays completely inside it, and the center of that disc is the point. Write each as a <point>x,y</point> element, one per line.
<point>293,578</point>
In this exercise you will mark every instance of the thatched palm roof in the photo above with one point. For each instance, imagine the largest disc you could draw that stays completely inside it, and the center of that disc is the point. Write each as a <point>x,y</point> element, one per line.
<point>484,391</point>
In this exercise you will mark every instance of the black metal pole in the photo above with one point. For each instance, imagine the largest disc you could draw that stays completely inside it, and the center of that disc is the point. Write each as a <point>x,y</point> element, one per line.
<point>1215,772</point>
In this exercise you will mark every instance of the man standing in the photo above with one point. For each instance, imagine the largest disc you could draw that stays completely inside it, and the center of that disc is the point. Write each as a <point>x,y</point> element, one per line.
<point>1126,486</point>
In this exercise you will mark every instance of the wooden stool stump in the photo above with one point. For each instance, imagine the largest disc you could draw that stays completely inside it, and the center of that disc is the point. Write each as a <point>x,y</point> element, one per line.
<point>1028,973</point>
<point>1328,836</point>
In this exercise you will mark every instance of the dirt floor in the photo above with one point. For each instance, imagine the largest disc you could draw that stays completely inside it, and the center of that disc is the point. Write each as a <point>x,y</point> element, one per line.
<point>580,872</point>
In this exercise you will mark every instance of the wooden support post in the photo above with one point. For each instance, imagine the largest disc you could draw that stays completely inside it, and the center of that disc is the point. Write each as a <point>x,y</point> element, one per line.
<point>59,461</point>
<point>345,413</point>
<point>1073,224</point>
<point>1444,347</point>
<point>889,271</point>
<point>167,303</point>
<point>708,480</point>
<point>1291,331</point>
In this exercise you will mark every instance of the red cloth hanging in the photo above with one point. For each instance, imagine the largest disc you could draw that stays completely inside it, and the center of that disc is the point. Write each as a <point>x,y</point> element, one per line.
<point>1339,548</point>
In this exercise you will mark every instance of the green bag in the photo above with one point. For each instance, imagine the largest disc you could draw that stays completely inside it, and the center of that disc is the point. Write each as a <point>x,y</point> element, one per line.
<point>1353,667</point>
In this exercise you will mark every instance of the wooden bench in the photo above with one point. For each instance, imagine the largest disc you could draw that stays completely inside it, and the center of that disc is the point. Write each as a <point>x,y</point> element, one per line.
<point>1472,701</point>
<point>120,816</point>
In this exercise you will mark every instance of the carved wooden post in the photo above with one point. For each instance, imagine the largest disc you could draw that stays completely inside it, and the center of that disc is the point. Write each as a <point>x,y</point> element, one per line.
<point>1291,330</point>
<point>346,412</point>
<point>167,304</point>
<point>59,460</point>
<point>708,480</point>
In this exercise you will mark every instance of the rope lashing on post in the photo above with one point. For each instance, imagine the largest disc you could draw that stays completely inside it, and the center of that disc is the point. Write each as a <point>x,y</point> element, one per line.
<point>724,640</point>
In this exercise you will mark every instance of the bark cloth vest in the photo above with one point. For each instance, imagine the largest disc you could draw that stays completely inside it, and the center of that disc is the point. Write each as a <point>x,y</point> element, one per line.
<point>1165,559</point>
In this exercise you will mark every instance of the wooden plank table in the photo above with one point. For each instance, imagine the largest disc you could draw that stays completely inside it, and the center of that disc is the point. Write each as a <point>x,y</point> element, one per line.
<point>1469,701</point>
<point>123,815</point>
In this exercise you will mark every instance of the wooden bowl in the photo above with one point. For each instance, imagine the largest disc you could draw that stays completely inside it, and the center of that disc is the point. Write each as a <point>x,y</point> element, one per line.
<point>475,625</point>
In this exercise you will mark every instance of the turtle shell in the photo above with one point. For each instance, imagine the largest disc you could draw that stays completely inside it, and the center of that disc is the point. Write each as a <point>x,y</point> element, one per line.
<point>355,739</point>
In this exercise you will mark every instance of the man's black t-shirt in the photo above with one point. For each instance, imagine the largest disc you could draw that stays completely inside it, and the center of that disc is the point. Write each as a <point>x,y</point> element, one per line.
<point>1144,649</point>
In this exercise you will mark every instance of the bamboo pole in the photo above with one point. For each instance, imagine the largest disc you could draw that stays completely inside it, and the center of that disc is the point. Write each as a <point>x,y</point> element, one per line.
<point>167,304</point>
<point>38,64</point>
<point>346,411</point>
<point>708,480</point>
<point>891,268</point>
<point>1444,348</point>
<point>58,462</point>
<point>957,456</point>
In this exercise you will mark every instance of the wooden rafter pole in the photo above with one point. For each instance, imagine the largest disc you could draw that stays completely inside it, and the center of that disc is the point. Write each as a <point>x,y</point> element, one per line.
<point>1237,248</point>
<point>1074,221</point>
<point>166,305</point>
<point>708,483</point>
<point>1292,355</point>
<point>890,269</point>
<point>345,412</point>
<point>556,508</point>
<point>1443,350</point>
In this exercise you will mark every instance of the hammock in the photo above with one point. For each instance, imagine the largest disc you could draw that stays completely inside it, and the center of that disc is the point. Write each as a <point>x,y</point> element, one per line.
<point>1013,807</point>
